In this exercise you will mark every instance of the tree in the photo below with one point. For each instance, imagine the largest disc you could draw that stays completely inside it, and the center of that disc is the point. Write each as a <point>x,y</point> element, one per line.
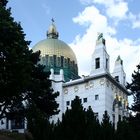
<point>134,87</point>
<point>124,131</point>
<point>107,130</point>
<point>92,125</point>
<point>73,122</point>
<point>23,81</point>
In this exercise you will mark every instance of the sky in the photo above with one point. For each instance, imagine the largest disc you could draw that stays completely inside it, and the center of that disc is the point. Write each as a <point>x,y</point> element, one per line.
<point>79,21</point>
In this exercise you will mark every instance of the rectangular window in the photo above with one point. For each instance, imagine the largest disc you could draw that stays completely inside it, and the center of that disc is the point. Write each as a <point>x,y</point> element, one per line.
<point>58,62</point>
<point>68,103</point>
<point>85,100</point>
<point>119,117</point>
<point>97,63</point>
<point>68,63</point>
<point>106,63</point>
<point>51,61</point>
<point>96,115</point>
<point>47,59</point>
<point>117,78</point>
<point>54,59</point>
<point>62,61</point>
<point>113,118</point>
<point>96,97</point>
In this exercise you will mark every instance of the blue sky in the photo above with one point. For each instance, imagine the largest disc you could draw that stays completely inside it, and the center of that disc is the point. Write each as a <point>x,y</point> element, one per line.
<point>78,22</point>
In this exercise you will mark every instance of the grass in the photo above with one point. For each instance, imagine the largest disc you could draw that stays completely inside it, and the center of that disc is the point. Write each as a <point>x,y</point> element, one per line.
<point>6,135</point>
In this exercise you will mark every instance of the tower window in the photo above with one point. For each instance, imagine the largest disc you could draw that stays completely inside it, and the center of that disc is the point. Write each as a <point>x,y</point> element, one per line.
<point>96,115</point>
<point>117,78</point>
<point>96,97</point>
<point>97,63</point>
<point>54,59</point>
<point>106,63</point>
<point>47,59</point>
<point>85,100</point>
<point>62,61</point>
<point>51,61</point>
<point>68,103</point>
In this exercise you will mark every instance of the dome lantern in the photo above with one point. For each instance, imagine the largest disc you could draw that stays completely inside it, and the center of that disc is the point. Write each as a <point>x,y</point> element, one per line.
<point>52,31</point>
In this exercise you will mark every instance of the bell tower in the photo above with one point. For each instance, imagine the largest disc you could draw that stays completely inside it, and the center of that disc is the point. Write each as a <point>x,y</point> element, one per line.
<point>100,57</point>
<point>118,72</point>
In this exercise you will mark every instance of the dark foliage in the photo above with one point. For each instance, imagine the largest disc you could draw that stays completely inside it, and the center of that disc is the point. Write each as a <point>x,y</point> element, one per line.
<point>23,82</point>
<point>134,87</point>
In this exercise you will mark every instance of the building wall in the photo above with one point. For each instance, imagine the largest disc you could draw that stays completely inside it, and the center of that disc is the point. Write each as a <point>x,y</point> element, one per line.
<point>99,93</point>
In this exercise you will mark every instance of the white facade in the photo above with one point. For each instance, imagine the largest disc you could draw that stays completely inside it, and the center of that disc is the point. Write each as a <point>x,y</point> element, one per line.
<point>100,90</point>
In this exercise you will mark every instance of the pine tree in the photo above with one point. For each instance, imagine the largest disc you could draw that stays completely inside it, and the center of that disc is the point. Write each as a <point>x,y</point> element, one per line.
<point>107,130</point>
<point>134,87</point>
<point>92,125</point>
<point>22,79</point>
<point>73,122</point>
<point>124,131</point>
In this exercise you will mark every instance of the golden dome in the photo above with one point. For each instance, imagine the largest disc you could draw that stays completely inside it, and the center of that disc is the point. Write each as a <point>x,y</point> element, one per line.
<point>57,54</point>
<point>55,47</point>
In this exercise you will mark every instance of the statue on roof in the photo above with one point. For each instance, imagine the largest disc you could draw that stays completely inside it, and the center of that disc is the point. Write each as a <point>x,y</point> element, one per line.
<point>100,39</point>
<point>100,35</point>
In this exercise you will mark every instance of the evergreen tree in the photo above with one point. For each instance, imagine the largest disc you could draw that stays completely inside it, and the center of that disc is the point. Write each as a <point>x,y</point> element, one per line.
<point>73,122</point>
<point>92,125</point>
<point>15,60</point>
<point>134,87</point>
<point>124,131</point>
<point>107,130</point>
<point>23,82</point>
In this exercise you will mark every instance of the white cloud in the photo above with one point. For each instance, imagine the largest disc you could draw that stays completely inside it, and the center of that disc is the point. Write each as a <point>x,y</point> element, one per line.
<point>83,45</point>
<point>117,10</point>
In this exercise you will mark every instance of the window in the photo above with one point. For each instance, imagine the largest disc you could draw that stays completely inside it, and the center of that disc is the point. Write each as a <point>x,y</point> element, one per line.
<point>97,63</point>
<point>51,61</point>
<point>47,59</point>
<point>96,115</point>
<point>85,100</point>
<point>117,78</point>
<point>119,117</point>
<point>58,62</point>
<point>107,63</point>
<point>54,59</point>
<point>113,118</point>
<point>62,61</point>
<point>96,97</point>
<point>68,103</point>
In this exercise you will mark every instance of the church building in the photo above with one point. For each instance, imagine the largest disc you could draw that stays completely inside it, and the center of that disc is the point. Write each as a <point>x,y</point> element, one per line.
<point>101,90</point>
